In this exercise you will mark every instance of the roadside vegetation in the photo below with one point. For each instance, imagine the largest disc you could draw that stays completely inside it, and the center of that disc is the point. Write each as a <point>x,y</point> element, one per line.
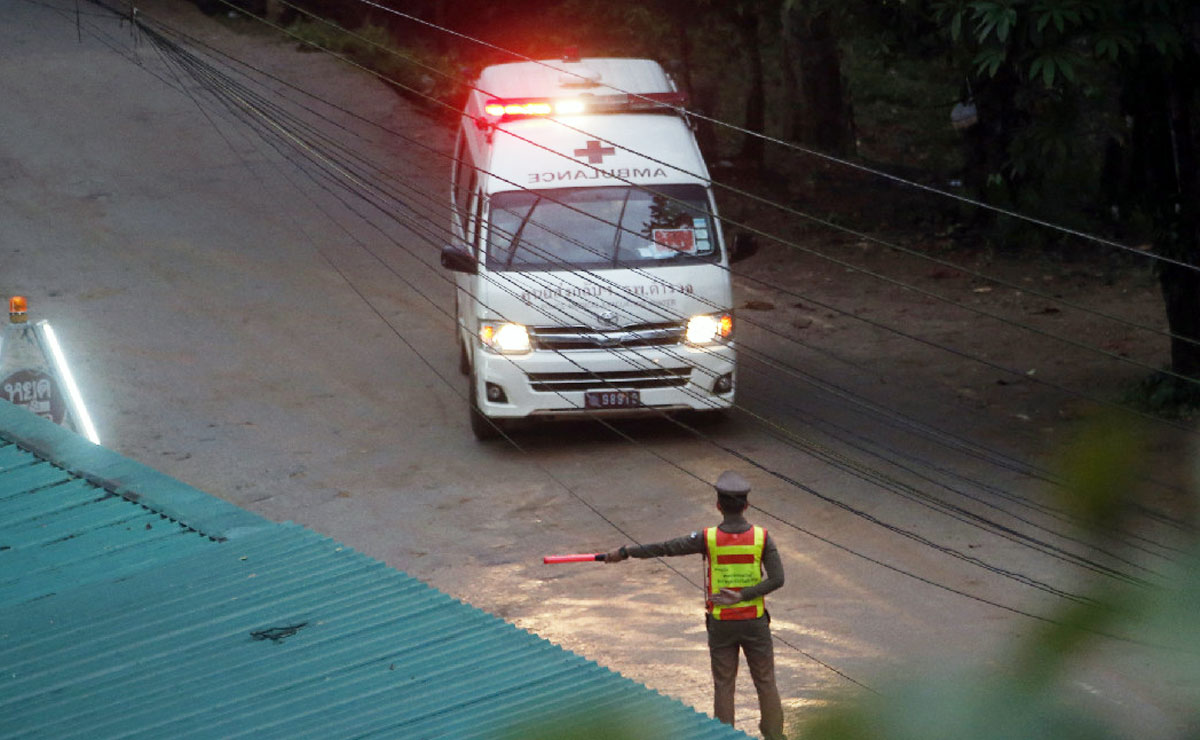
<point>1026,691</point>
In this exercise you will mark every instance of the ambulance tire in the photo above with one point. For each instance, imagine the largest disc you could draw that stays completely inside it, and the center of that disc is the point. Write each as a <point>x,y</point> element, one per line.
<point>484,429</point>
<point>706,419</point>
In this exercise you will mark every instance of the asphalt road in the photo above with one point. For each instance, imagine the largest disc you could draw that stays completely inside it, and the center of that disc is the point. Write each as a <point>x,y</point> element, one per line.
<point>243,322</point>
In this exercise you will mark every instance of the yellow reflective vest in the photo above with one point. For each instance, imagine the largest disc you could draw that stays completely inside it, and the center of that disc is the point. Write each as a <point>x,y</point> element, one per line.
<point>734,561</point>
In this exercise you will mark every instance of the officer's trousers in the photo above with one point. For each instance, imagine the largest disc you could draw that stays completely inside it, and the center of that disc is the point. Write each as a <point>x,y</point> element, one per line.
<point>726,638</point>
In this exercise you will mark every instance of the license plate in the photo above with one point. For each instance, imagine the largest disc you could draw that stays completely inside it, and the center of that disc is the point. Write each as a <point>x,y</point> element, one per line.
<point>611,399</point>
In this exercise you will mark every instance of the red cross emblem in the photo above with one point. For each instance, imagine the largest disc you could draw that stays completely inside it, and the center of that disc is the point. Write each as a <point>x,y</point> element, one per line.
<point>594,152</point>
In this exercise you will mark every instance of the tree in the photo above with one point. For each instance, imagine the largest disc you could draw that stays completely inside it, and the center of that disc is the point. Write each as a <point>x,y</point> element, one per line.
<point>1151,50</point>
<point>809,36</point>
<point>745,17</point>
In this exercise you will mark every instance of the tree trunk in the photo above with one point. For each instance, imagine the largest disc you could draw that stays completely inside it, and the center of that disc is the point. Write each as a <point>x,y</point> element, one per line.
<point>1164,140</point>
<point>681,15</point>
<point>827,124</point>
<point>1180,229</point>
<point>794,121</point>
<point>988,143</point>
<point>753,146</point>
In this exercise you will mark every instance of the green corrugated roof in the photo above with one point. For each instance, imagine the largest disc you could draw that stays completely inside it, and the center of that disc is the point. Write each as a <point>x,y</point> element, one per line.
<point>133,605</point>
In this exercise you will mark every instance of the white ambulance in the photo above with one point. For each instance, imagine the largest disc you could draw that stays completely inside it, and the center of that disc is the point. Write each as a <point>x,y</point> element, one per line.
<point>591,274</point>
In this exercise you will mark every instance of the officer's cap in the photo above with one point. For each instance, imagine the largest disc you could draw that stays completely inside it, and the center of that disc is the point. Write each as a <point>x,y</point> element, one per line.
<point>732,484</point>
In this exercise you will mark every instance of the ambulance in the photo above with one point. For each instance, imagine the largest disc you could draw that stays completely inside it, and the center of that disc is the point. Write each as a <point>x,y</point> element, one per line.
<point>591,274</point>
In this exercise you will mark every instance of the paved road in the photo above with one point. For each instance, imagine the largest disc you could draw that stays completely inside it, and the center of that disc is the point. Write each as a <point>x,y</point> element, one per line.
<point>251,327</point>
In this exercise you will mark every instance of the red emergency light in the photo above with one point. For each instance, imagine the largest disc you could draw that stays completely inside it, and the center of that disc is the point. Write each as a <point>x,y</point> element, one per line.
<point>531,107</point>
<point>508,109</point>
<point>513,108</point>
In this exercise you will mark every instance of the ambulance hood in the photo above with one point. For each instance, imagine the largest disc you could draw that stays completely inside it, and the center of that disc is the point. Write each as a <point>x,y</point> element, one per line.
<point>607,299</point>
<point>578,151</point>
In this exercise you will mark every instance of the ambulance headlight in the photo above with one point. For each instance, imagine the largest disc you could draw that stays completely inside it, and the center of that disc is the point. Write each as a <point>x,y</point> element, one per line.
<point>505,338</point>
<point>710,328</point>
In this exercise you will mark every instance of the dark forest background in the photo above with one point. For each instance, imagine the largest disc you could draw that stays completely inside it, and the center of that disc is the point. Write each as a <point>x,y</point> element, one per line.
<point>1082,113</point>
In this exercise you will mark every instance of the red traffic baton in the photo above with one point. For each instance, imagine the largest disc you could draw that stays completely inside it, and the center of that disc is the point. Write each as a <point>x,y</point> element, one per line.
<point>587,557</point>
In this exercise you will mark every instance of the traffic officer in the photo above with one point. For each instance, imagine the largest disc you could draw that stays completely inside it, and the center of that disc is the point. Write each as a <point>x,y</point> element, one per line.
<point>735,556</point>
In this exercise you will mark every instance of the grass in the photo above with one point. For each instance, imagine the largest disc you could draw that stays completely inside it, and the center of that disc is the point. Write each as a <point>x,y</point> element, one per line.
<point>1164,395</point>
<point>417,72</point>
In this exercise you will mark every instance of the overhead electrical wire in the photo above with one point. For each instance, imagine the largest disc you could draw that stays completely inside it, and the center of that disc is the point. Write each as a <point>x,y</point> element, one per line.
<point>901,284</point>
<point>426,361</point>
<point>783,143</point>
<point>751,322</point>
<point>1009,370</point>
<point>350,283</point>
<point>1079,345</point>
<point>1012,371</point>
<point>414,350</point>
<point>788,209</point>
<point>975,560</point>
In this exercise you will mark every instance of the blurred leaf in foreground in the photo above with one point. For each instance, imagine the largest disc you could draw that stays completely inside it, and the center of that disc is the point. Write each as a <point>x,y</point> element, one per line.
<point>1025,693</point>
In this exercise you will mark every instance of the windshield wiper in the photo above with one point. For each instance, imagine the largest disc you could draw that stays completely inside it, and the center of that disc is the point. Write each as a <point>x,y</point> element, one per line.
<point>516,239</point>
<point>616,242</point>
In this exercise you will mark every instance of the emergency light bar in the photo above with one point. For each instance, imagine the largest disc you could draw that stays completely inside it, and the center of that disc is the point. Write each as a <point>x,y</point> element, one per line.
<point>510,109</point>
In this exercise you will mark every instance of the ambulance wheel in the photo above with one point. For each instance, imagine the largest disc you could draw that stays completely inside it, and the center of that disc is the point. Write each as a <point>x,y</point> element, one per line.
<point>483,428</point>
<point>705,419</point>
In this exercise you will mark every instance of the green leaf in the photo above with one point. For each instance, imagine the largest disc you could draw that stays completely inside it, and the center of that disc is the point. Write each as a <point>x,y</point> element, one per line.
<point>989,60</point>
<point>1048,73</point>
<point>1045,67</point>
<point>1165,39</point>
<point>1067,68</point>
<point>1007,21</point>
<point>993,17</point>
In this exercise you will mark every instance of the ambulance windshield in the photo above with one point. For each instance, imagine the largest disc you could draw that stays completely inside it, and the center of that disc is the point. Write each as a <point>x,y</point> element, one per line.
<point>596,228</point>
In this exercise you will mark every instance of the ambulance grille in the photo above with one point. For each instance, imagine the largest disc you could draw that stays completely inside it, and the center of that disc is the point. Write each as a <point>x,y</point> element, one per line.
<point>611,380</point>
<point>580,337</point>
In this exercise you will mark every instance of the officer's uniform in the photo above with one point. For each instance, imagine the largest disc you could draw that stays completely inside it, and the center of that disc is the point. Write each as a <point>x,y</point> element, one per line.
<point>735,555</point>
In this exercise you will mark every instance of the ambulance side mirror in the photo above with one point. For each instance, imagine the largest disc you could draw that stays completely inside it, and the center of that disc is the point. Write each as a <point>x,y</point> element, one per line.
<point>458,259</point>
<point>745,244</point>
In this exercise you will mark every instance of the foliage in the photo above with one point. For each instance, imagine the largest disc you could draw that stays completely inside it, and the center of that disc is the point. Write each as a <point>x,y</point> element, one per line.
<point>418,71</point>
<point>1165,395</point>
<point>1060,63</point>
<point>1023,695</point>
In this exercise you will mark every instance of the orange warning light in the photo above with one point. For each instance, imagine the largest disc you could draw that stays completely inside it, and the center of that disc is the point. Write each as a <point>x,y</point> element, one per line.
<point>18,309</point>
<point>725,326</point>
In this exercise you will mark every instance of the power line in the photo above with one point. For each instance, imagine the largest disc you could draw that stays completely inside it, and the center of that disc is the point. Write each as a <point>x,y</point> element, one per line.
<point>785,208</point>
<point>441,154</point>
<point>780,142</point>
<point>906,533</point>
<point>726,449</point>
<point>412,348</point>
<point>791,244</point>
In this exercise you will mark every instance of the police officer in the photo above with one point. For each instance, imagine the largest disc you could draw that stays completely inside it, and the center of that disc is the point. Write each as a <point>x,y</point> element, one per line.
<point>735,556</point>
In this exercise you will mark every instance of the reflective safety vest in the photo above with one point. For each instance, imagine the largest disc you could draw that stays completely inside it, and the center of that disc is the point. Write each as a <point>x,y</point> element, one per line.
<point>734,561</point>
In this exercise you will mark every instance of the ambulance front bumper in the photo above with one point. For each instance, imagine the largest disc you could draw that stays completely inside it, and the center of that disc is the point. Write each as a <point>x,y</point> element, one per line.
<point>646,381</point>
